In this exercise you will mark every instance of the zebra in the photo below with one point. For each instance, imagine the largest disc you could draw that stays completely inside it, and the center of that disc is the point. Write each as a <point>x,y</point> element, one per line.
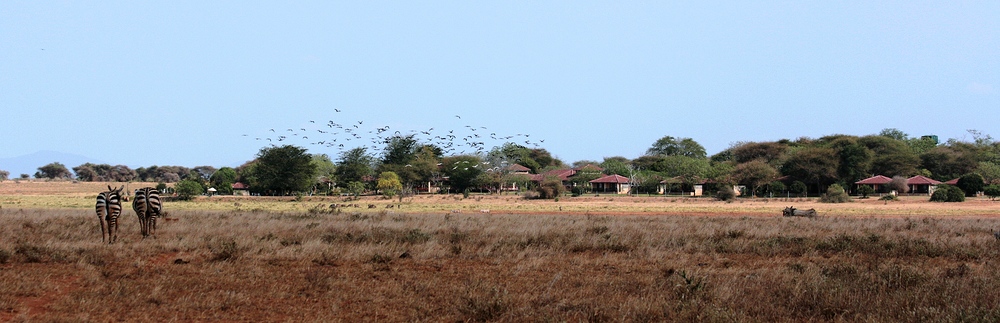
<point>109,207</point>
<point>147,207</point>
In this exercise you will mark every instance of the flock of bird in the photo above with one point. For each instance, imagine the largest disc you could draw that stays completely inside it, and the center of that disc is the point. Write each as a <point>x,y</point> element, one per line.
<point>333,134</point>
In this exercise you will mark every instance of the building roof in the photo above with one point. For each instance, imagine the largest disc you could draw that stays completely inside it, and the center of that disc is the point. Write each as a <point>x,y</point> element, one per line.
<point>875,180</point>
<point>921,180</point>
<point>953,182</point>
<point>518,168</point>
<point>563,174</point>
<point>240,186</point>
<point>611,179</point>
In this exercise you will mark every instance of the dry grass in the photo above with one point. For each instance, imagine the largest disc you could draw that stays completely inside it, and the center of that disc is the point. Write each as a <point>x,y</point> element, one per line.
<point>594,259</point>
<point>316,266</point>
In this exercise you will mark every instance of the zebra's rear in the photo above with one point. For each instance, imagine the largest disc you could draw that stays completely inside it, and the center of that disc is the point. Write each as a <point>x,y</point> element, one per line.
<point>147,207</point>
<point>109,207</point>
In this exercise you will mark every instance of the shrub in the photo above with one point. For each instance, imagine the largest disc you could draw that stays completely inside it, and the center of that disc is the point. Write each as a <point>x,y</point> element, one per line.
<point>948,193</point>
<point>725,194</point>
<point>835,194</point>
<point>865,190</point>
<point>550,188</point>
<point>993,191</point>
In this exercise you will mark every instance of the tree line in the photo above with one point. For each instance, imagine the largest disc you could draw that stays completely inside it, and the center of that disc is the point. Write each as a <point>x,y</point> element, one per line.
<point>405,164</point>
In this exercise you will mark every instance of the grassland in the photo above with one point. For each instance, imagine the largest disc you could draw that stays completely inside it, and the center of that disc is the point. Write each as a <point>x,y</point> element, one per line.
<point>638,260</point>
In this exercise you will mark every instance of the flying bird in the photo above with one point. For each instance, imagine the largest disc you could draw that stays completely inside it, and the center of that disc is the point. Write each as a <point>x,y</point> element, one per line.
<point>338,110</point>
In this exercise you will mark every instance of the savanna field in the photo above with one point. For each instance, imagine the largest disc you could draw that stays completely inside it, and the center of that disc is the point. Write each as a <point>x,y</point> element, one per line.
<point>497,258</point>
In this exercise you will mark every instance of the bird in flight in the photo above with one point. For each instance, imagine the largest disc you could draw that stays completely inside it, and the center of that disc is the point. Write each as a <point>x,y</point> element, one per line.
<point>338,110</point>
<point>457,116</point>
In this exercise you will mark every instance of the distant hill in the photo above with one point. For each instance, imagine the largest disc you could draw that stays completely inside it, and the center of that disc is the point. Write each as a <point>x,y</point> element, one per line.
<point>29,164</point>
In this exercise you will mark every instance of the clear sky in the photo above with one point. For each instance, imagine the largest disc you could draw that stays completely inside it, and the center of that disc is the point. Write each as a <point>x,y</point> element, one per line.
<point>181,82</point>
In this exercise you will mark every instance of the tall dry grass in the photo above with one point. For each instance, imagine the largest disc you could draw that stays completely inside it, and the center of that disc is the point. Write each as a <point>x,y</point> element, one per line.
<point>350,266</point>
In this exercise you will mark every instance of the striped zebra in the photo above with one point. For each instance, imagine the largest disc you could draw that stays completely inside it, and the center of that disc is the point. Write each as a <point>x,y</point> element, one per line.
<point>147,207</point>
<point>109,207</point>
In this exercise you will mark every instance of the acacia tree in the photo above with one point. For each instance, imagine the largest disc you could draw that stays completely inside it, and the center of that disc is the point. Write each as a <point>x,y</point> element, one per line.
<point>817,163</point>
<point>53,170</point>
<point>755,174</point>
<point>285,169</point>
<point>4,175</point>
<point>670,146</point>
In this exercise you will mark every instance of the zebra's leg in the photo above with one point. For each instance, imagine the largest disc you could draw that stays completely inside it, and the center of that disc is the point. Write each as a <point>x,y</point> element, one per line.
<point>104,229</point>
<point>152,223</point>
<point>112,230</point>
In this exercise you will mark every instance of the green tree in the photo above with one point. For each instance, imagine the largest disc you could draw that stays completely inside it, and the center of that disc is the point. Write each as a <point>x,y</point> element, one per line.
<point>355,188</point>
<point>225,175</point>
<point>4,175</point>
<point>53,170</point>
<point>461,171</point>
<point>818,164</point>
<point>285,169</point>
<point>989,171</point>
<point>223,180</point>
<point>771,152</point>
<point>670,146</point>
<point>855,160</point>
<point>673,166</point>
<point>754,174</point>
<point>971,184</point>
<point>891,157</point>
<point>946,163</point>
<point>400,150</point>
<point>894,133</point>
<point>388,184</point>
<point>188,188</point>
<point>616,165</point>
<point>353,165</point>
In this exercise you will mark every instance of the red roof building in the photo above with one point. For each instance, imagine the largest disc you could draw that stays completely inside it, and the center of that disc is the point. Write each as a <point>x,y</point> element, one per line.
<point>876,182</point>
<point>616,184</point>
<point>921,184</point>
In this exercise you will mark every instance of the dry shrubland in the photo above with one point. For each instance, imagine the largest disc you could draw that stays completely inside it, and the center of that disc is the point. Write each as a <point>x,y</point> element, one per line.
<point>348,266</point>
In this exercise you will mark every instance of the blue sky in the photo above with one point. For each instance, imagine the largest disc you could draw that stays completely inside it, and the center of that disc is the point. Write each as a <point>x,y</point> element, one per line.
<point>592,79</point>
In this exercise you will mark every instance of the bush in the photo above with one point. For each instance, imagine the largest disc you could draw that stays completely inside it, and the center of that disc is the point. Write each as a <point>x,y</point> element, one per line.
<point>948,193</point>
<point>835,194</point>
<point>993,191</point>
<point>725,194</point>
<point>865,190</point>
<point>550,188</point>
